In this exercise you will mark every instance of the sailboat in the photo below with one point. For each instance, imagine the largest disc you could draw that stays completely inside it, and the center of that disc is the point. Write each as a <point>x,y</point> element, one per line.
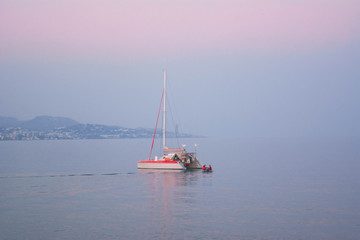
<point>173,158</point>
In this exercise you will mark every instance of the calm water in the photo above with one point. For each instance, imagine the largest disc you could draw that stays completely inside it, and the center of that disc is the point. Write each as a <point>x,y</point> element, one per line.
<point>260,189</point>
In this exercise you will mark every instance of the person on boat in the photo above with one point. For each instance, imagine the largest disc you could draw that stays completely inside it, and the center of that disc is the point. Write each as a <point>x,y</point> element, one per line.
<point>204,167</point>
<point>210,168</point>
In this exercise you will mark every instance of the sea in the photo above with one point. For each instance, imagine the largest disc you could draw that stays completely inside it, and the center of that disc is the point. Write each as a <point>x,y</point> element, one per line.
<point>260,188</point>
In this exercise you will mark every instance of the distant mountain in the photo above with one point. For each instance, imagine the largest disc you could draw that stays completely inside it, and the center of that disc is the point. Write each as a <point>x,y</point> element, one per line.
<point>41,123</point>
<point>45,123</point>
<point>47,128</point>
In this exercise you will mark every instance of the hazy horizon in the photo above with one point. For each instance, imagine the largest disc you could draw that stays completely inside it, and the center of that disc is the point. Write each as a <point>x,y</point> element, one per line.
<point>235,68</point>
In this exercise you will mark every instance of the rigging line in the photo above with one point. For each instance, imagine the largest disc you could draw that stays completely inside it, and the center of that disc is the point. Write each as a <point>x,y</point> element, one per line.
<point>172,117</point>
<point>157,120</point>
<point>173,122</point>
<point>181,130</point>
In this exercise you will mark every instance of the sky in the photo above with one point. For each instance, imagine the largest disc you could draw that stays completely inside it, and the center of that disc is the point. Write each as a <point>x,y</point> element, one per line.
<point>235,68</point>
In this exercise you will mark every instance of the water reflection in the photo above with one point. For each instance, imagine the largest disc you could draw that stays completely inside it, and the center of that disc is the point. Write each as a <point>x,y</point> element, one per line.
<point>172,195</point>
<point>172,178</point>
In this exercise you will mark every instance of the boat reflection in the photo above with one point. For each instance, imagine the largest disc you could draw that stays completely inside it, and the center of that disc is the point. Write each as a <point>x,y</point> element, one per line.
<point>172,196</point>
<point>166,179</point>
<point>159,170</point>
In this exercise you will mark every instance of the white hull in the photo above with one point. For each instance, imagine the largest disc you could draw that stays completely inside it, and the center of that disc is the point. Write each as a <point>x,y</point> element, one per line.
<point>160,165</point>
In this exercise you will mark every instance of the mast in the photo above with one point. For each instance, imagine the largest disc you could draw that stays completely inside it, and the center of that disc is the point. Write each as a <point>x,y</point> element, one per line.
<point>164,121</point>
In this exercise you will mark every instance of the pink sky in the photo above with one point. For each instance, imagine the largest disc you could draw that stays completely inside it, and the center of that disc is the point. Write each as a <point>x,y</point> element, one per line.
<point>36,28</point>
